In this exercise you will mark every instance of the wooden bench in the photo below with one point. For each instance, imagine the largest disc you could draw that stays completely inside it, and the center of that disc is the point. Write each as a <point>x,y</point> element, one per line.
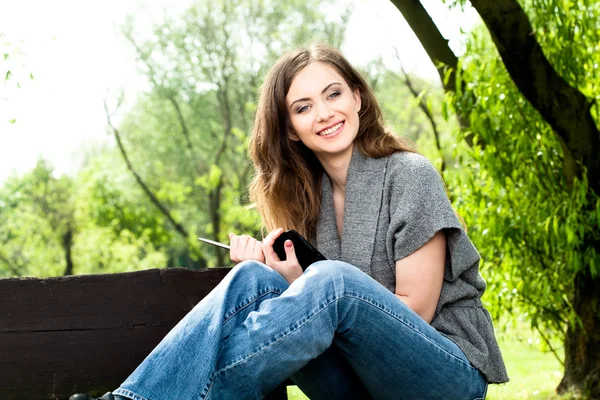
<point>87,333</point>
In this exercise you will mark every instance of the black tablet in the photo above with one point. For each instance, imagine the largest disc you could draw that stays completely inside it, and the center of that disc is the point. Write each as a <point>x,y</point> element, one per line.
<point>305,252</point>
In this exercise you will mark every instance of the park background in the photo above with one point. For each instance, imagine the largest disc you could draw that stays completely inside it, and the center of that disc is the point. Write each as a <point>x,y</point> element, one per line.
<point>124,129</point>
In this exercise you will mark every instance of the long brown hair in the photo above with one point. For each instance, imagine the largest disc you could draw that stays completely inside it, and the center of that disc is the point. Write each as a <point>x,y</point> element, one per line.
<point>287,183</point>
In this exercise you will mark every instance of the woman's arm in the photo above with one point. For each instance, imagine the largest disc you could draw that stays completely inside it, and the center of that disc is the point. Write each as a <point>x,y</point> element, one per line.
<point>419,277</point>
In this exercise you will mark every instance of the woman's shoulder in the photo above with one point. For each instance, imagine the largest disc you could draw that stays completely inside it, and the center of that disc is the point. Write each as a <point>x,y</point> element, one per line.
<point>413,166</point>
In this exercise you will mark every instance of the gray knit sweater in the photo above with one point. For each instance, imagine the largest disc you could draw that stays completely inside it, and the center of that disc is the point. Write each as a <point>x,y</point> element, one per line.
<point>393,206</point>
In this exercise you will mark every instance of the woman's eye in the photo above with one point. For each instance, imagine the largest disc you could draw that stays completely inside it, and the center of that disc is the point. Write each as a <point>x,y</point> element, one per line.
<point>334,95</point>
<point>302,109</point>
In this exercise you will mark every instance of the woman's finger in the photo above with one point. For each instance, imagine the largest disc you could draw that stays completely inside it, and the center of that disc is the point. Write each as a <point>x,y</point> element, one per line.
<point>268,241</point>
<point>233,244</point>
<point>290,252</point>
<point>257,251</point>
<point>243,243</point>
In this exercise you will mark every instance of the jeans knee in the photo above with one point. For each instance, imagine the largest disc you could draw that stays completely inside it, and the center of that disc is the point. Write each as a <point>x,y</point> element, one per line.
<point>333,270</point>
<point>255,271</point>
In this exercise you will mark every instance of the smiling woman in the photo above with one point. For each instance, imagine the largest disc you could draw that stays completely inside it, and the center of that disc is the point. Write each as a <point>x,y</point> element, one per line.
<point>395,309</point>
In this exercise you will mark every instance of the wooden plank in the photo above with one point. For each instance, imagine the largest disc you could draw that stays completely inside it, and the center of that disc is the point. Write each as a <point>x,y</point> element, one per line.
<point>87,333</point>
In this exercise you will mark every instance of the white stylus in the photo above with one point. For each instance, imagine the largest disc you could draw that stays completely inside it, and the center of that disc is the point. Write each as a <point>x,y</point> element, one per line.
<point>218,244</point>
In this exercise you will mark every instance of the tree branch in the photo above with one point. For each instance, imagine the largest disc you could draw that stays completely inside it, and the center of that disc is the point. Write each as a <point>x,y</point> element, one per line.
<point>431,39</point>
<point>564,107</point>
<point>424,108</point>
<point>439,52</point>
<point>184,128</point>
<point>178,227</point>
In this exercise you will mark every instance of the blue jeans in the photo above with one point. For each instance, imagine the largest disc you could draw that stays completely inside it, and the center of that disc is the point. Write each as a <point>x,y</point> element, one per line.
<point>335,331</point>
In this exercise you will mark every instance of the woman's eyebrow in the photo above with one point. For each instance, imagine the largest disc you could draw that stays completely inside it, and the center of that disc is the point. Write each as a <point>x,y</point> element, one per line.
<point>322,92</point>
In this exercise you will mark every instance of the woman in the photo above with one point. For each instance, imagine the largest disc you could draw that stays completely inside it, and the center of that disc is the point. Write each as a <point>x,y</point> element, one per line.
<point>397,315</point>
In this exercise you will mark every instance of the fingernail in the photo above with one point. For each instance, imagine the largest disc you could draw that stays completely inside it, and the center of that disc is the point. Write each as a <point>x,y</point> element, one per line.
<point>288,243</point>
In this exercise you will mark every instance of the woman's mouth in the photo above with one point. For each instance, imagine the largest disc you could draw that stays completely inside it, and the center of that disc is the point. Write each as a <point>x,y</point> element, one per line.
<point>332,130</point>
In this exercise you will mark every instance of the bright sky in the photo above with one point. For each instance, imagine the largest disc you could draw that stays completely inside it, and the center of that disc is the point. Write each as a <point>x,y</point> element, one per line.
<point>78,58</point>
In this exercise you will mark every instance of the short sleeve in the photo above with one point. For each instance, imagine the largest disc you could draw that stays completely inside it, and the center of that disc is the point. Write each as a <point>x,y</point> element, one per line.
<point>419,208</point>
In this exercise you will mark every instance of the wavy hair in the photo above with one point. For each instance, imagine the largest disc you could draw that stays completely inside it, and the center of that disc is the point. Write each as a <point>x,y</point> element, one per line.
<point>286,187</point>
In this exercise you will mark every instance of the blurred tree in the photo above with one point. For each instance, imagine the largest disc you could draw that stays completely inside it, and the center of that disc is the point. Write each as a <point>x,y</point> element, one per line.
<point>61,226</point>
<point>529,105</point>
<point>187,138</point>
<point>37,211</point>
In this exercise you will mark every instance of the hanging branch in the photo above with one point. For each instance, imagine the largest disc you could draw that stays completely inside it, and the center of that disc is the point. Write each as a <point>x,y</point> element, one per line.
<point>441,55</point>
<point>184,128</point>
<point>424,108</point>
<point>178,227</point>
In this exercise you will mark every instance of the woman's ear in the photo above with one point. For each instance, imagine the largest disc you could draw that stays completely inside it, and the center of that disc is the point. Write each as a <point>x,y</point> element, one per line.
<point>293,136</point>
<point>357,98</point>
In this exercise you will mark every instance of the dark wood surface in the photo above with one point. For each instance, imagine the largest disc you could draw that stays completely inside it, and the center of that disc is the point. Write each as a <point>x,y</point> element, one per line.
<point>87,333</point>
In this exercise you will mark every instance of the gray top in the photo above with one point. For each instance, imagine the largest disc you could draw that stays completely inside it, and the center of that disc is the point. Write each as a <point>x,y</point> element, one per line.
<point>393,206</point>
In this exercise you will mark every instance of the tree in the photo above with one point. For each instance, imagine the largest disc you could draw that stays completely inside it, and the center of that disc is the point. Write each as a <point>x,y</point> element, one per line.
<point>62,226</point>
<point>37,211</point>
<point>531,104</point>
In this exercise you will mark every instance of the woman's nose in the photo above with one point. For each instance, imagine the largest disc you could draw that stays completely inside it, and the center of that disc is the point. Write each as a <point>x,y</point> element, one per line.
<point>324,113</point>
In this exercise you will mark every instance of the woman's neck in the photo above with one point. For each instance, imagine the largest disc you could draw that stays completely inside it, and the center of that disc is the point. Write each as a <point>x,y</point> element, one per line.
<point>336,168</point>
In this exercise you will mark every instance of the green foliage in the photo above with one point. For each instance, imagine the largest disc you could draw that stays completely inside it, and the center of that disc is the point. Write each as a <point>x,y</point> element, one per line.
<point>559,24</point>
<point>534,228</point>
<point>43,217</point>
<point>36,212</point>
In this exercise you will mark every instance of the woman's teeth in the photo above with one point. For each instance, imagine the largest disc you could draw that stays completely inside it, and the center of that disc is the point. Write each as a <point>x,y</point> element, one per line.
<point>331,130</point>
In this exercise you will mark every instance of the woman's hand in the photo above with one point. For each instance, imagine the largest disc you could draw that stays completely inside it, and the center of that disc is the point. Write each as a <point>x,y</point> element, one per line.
<point>290,269</point>
<point>244,248</point>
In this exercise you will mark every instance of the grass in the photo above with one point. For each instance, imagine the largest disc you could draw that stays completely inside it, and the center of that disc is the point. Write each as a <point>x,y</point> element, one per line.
<point>534,374</point>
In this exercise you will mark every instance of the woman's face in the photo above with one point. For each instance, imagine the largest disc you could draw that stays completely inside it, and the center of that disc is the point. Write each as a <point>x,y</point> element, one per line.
<point>323,111</point>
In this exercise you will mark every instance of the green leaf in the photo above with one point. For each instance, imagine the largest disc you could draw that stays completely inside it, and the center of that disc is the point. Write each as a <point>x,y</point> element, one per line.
<point>598,212</point>
<point>445,110</point>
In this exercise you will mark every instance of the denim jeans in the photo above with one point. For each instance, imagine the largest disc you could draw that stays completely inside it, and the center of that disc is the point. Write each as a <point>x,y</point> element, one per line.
<point>335,331</point>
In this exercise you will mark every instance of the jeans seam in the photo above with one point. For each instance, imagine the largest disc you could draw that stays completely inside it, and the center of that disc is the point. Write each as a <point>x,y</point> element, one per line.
<point>408,325</point>
<point>208,389</point>
<point>251,301</point>
<point>260,349</point>
<point>129,393</point>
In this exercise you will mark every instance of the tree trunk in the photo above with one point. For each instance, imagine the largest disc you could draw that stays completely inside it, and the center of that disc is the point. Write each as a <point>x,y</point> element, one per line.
<point>67,242</point>
<point>582,343</point>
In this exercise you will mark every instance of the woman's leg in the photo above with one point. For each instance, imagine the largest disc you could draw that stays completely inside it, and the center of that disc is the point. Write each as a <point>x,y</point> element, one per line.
<point>181,365</point>
<point>330,377</point>
<point>393,351</point>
